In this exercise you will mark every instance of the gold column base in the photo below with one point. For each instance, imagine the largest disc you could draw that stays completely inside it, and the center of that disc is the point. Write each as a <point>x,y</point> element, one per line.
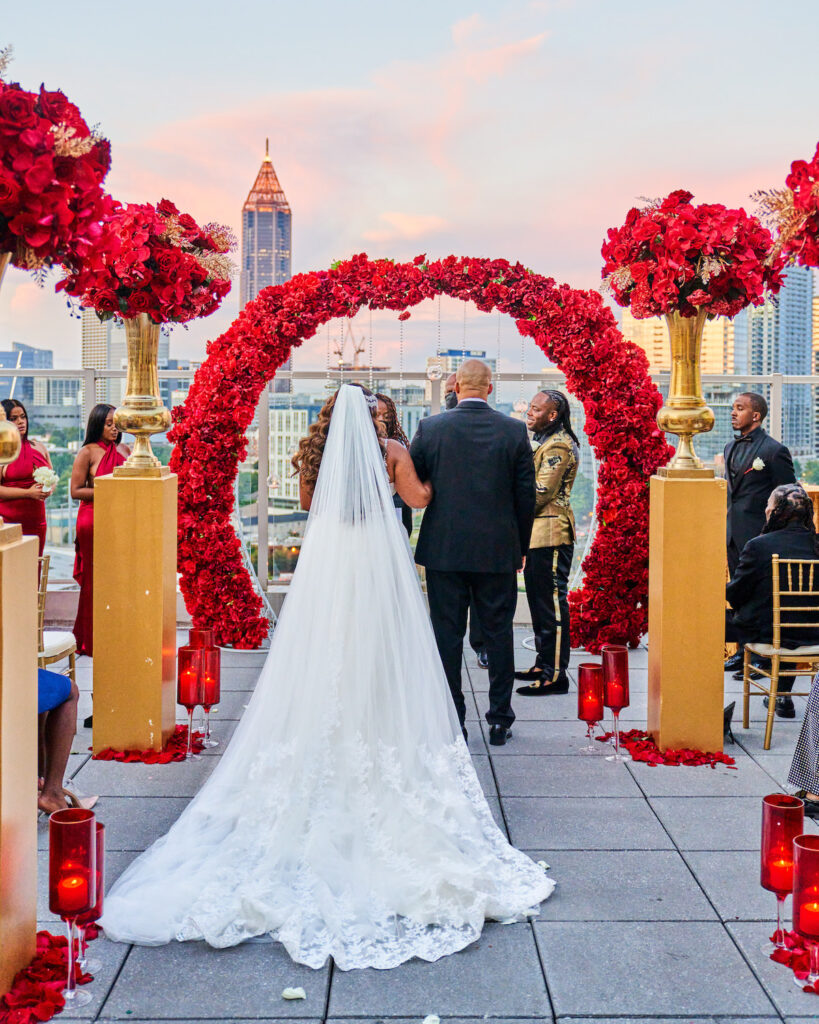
<point>686,613</point>
<point>669,473</point>
<point>18,751</point>
<point>134,611</point>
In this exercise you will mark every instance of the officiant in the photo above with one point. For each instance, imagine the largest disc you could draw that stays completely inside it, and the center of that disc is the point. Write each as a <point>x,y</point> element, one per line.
<point>551,549</point>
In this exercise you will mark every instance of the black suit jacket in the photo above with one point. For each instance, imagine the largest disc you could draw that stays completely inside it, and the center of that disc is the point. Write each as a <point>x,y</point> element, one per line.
<point>750,592</point>
<point>483,478</point>
<point>748,492</point>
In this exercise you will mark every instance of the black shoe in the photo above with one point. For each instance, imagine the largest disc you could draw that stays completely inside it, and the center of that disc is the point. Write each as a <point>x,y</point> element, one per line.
<point>88,723</point>
<point>759,662</point>
<point>784,707</point>
<point>499,734</point>
<point>530,674</point>
<point>734,662</point>
<point>466,734</point>
<point>727,715</point>
<point>483,658</point>
<point>542,688</point>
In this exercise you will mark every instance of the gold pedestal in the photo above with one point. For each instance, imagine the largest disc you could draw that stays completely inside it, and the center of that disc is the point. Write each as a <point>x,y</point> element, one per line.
<point>134,611</point>
<point>686,615</point>
<point>18,751</point>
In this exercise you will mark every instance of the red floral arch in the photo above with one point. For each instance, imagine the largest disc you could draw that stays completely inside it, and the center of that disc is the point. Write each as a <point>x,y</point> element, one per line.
<point>572,327</point>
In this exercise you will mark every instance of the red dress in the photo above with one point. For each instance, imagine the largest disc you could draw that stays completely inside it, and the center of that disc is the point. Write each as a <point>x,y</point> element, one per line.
<point>84,558</point>
<point>28,512</point>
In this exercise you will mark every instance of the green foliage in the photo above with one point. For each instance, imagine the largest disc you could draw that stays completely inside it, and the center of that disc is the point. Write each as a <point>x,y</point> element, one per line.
<point>809,474</point>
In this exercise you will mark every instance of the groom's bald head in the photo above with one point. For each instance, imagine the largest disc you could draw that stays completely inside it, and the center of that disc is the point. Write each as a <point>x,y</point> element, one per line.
<point>473,379</point>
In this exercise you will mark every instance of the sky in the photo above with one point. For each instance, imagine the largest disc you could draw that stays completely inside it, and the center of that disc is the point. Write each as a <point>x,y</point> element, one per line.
<point>520,130</point>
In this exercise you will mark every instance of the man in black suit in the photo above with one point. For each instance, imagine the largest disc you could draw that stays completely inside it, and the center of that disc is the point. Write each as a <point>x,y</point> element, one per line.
<point>476,641</point>
<point>754,465</point>
<point>788,532</point>
<point>474,532</point>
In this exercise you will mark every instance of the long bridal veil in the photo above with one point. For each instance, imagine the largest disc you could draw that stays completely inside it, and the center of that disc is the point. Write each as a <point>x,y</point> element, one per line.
<point>345,818</point>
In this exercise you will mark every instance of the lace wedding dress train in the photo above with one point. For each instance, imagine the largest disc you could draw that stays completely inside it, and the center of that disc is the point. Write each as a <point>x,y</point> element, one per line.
<point>345,819</point>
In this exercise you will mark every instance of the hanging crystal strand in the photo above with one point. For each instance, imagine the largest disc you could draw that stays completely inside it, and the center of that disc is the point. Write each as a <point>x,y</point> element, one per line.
<point>438,341</point>
<point>463,342</point>
<point>522,365</point>
<point>498,362</point>
<point>327,380</point>
<point>370,349</point>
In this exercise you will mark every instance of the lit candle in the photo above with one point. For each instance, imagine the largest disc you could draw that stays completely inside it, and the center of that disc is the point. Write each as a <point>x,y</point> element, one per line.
<point>809,919</point>
<point>188,686</point>
<point>615,694</point>
<point>780,875</point>
<point>72,893</point>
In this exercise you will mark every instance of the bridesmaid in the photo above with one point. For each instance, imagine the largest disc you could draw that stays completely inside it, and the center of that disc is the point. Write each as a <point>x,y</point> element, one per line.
<point>100,454</point>
<point>21,499</point>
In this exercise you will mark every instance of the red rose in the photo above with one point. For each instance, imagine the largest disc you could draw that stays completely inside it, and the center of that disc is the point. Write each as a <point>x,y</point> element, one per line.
<point>105,300</point>
<point>166,208</point>
<point>9,192</point>
<point>16,110</point>
<point>140,302</point>
<point>53,105</point>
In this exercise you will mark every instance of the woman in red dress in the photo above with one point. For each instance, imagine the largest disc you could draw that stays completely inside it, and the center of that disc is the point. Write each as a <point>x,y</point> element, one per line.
<point>21,499</point>
<point>100,454</point>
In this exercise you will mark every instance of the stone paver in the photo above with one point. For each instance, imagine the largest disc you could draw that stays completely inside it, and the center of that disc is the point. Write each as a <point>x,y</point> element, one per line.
<point>657,915</point>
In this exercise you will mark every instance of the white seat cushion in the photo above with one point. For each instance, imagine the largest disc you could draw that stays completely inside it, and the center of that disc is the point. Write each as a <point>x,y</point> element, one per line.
<point>768,651</point>
<point>56,642</point>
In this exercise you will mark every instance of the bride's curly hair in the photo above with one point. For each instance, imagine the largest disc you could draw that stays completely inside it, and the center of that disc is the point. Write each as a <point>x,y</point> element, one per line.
<point>307,459</point>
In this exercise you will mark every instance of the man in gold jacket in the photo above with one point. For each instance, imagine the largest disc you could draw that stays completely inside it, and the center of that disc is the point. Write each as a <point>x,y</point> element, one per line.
<point>549,559</point>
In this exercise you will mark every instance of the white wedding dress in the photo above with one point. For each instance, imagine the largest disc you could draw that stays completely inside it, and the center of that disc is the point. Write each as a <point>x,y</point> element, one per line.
<point>345,819</point>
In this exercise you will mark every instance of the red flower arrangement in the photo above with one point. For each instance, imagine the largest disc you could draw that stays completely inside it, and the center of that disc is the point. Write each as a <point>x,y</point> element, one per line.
<point>673,256</point>
<point>36,993</point>
<point>794,212</point>
<point>154,260</point>
<point>643,748</point>
<point>51,171</point>
<point>573,328</point>
<point>174,750</point>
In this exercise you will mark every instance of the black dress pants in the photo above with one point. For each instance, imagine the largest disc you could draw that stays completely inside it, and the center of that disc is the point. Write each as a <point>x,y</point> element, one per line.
<point>495,597</point>
<point>736,633</point>
<point>547,590</point>
<point>476,641</point>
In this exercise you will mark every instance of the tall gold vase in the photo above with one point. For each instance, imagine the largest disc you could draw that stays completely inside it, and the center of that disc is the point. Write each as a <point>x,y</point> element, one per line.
<point>685,412</point>
<point>142,412</point>
<point>10,440</point>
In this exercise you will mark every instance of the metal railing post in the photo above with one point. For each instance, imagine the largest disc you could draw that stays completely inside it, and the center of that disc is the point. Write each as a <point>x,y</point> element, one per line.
<point>263,494</point>
<point>776,406</point>
<point>435,397</point>
<point>89,393</point>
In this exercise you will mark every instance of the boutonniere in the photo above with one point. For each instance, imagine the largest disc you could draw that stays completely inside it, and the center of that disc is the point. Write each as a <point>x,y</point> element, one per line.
<point>535,444</point>
<point>757,464</point>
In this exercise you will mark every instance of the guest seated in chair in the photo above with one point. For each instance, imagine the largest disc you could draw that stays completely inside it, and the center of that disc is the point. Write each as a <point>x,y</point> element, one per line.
<point>57,699</point>
<point>789,532</point>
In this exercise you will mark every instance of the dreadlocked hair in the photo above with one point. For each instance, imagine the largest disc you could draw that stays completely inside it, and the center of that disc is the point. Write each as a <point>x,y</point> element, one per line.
<point>391,422</point>
<point>563,422</point>
<point>791,504</point>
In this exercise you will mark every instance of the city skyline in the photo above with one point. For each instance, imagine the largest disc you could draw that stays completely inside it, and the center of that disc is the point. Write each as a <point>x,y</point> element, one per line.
<point>511,131</point>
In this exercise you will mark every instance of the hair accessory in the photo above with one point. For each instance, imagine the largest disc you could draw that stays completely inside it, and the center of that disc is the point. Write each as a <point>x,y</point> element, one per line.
<point>372,401</point>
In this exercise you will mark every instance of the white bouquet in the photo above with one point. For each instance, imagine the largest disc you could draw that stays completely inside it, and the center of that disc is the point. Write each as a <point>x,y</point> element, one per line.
<point>46,478</point>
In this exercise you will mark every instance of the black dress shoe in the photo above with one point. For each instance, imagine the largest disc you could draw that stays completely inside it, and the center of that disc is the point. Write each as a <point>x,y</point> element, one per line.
<point>542,688</point>
<point>88,723</point>
<point>734,662</point>
<point>784,707</point>
<point>483,658</point>
<point>499,734</point>
<point>530,674</point>
<point>466,734</point>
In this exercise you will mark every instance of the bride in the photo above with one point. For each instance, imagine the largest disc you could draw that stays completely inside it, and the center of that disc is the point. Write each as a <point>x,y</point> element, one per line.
<point>345,819</point>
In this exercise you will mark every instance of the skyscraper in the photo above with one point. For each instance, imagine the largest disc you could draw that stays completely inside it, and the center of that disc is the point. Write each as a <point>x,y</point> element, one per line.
<point>22,357</point>
<point>266,239</point>
<point>779,339</point>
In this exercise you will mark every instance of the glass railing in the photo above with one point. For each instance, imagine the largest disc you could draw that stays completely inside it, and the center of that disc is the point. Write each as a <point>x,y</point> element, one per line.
<point>268,517</point>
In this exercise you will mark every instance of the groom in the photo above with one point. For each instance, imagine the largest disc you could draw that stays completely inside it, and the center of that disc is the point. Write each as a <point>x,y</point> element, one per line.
<point>474,532</point>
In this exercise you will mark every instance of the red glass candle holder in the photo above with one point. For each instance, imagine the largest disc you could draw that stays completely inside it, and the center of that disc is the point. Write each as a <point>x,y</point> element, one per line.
<point>615,690</point>
<point>200,637</point>
<point>782,821</point>
<point>806,899</point>
<point>72,882</point>
<point>590,700</point>
<point>211,676</point>
<point>189,686</point>
<point>88,965</point>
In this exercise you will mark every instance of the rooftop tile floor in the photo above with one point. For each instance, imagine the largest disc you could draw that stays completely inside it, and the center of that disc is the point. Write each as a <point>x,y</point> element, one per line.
<point>658,914</point>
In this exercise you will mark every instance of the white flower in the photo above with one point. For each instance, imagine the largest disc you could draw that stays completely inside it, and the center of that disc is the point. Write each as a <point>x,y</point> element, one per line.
<point>294,993</point>
<point>46,478</point>
<point>757,464</point>
<point>433,1018</point>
